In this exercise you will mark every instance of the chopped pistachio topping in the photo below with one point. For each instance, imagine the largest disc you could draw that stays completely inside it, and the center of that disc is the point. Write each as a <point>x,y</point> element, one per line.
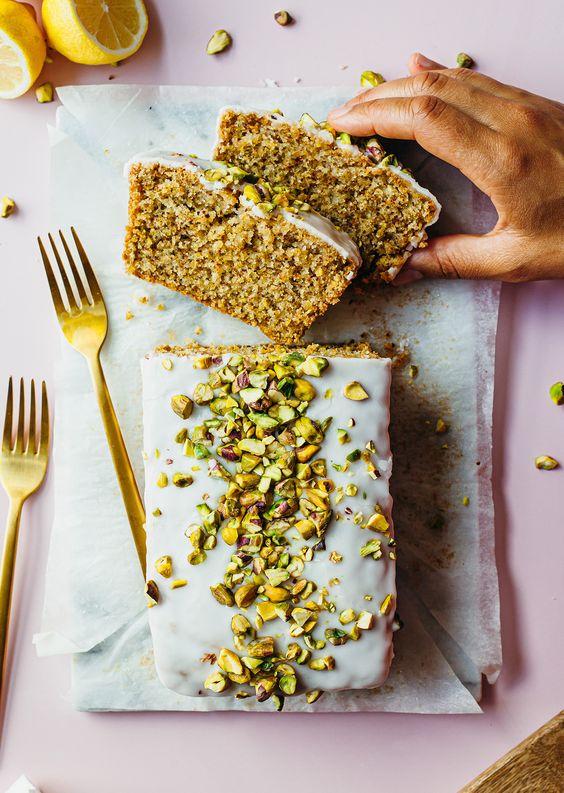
<point>465,500</point>
<point>222,594</point>
<point>346,616</point>
<point>157,512</point>
<point>546,463</point>
<point>556,392</point>
<point>372,548</point>
<point>182,405</point>
<point>220,41</point>
<point>413,371</point>
<point>182,480</point>
<point>162,480</point>
<point>167,364</point>
<point>355,391</point>
<point>313,696</point>
<point>369,79</point>
<point>365,621</point>
<point>386,604</point>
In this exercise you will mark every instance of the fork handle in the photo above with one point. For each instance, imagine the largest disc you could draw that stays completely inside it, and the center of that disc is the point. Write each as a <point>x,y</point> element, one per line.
<point>6,582</point>
<point>122,464</point>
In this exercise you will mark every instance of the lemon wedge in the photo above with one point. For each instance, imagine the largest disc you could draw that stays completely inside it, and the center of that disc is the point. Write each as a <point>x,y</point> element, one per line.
<point>22,49</point>
<point>95,31</point>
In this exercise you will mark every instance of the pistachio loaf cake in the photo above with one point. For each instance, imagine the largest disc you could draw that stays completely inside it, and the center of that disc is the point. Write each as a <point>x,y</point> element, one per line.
<point>360,189</point>
<point>270,546</point>
<point>217,234</point>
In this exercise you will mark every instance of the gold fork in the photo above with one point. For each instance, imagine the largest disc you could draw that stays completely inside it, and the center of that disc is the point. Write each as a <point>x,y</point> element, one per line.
<point>22,470</point>
<point>84,322</point>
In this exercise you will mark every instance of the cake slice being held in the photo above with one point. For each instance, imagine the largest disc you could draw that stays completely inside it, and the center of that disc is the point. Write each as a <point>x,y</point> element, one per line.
<point>358,187</point>
<point>217,234</point>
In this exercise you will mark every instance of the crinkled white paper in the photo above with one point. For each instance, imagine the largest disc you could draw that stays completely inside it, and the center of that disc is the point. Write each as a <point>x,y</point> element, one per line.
<point>447,579</point>
<point>22,785</point>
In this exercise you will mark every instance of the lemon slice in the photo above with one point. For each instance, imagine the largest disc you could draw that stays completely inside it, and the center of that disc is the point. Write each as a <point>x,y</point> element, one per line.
<point>22,49</point>
<point>95,31</point>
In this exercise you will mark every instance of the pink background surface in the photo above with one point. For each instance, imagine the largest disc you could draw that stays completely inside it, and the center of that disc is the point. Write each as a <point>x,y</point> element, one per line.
<point>67,752</point>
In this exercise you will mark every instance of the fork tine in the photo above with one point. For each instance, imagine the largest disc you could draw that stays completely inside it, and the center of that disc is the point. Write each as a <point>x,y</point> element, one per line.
<point>31,435</point>
<point>88,271</point>
<point>53,285</point>
<point>77,277</point>
<point>63,273</point>
<point>21,420</point>
<point>7,436</point>
<point>43,447</point>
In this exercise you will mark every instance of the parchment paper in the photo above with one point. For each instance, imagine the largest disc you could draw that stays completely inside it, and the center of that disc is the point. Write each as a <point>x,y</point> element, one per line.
<point>448,592</point>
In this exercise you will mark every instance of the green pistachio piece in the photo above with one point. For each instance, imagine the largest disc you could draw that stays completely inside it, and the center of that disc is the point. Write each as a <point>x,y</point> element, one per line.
<point>287,684</point>
<point>162,480</point>
<point>344,137</point>
<point>372,548</point>
<point>218,42</point>
<point>261,648</point>
<point>369,79</point>
<point>152,593</point>
<point>355,391</point>
<point>283,18</point>
<point>163,566</point>
<point>197,557</point>
<point>464,61</point>
<point>313,696</point>
<point>222,594</point>
<point>216,682</point>
<point>557,393</point>
<point>245,595</point>
<point>182,480</point>
<point>182,405</point>
<point>336,636</point>
<point>314,367</point>
<point>546,463</point>
<point>343,436</point>
<point>365,621</point>
<point>346,616</point>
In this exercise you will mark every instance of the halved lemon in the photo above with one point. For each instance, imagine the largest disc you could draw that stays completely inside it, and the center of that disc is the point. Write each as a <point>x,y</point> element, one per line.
<point>95,31</point>
<point>22,49</point>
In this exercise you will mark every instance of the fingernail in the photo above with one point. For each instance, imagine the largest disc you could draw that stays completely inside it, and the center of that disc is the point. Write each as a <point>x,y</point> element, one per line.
<point>407,276</point>
<point>339,112</point>
<point>423,62</point>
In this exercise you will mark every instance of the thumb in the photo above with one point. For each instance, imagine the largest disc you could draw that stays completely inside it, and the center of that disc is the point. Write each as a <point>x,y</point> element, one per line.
<point>460,256</point>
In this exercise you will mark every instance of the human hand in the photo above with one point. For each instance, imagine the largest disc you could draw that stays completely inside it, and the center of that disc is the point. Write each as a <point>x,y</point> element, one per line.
<point>509,142</point>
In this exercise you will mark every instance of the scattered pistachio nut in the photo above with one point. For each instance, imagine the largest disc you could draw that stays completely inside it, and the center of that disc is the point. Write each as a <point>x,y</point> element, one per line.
<point>7,206</point>
<point>313,696</point>
<point>245,595</point>
<point>152,593</point>
<point>216,682</point>
<point>163,566</point>
<point>556,390</point>
<point>261,648</point>
<point>219,42</point>
<point>370,79</point>
<point>182,480</point>
<point>283,18</point>
<point>355,391</point>
<point>178,583</point>
<point>44,93</point>
<point>182,405</point>
<point>229,662</point>
<point>287,684</point>
<point>464,61</point>
<point>546,463</point>
<point>365,621</point>
<point>278,701</point>
<point>162,480</point>
<point>222,594</point>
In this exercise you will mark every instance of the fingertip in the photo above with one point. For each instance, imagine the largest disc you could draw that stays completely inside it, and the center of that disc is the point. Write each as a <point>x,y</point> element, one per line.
<point>421,63</point>
<point>406,276</point>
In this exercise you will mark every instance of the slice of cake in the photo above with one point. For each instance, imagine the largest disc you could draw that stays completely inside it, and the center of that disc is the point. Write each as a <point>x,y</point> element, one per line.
<point>215,233</point>
<point>360,189</point>
<point>270,548</point>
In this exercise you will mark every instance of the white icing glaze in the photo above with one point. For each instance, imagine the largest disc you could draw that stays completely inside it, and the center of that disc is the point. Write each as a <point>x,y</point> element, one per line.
<point>316,225</point>
<point>188,622</point>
